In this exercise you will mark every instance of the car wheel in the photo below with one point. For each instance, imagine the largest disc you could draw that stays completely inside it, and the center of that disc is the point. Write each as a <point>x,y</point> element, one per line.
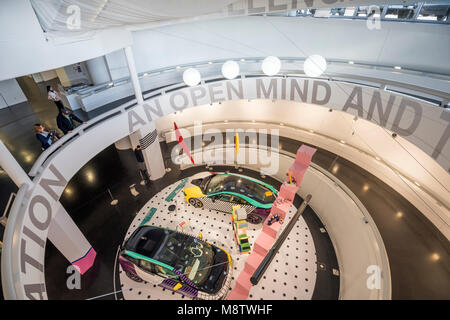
<point>254,218</point>
<point>133,277</point>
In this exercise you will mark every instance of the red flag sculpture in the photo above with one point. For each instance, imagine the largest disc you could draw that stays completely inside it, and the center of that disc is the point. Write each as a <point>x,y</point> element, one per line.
<point>181,142</point>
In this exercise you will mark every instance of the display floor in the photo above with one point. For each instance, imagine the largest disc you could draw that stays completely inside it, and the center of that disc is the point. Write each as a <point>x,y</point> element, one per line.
<point>291,275</point>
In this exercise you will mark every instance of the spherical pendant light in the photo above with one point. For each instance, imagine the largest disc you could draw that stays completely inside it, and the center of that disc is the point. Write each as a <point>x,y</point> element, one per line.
<point>191,77</point>
<point>230,69</point>
<point>271,65</point>
<point>315,65</point>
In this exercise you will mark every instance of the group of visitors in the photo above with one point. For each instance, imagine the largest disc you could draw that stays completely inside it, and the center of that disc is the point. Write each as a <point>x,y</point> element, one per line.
<point>65,121</point>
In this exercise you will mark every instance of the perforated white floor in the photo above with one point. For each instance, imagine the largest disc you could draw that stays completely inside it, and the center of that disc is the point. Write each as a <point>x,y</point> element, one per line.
<point>291,275</point>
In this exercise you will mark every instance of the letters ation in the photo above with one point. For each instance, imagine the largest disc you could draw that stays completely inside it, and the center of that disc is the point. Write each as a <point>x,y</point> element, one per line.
<point>34,288</point>
<point>46,183</point>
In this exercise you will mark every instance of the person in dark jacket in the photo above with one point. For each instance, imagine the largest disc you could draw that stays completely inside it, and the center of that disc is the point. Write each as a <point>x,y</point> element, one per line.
<point>141,163</point>
<point>45,137</point>
<point>65,120</point>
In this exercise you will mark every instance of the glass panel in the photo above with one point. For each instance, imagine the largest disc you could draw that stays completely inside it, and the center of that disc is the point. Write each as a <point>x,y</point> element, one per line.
<point>362,11</point>
<point>434,12</point>
<point>322,13</point>
<point>349,12</point>
<point>306,12</point>
<point>337,12</point>
<point>400,12</point>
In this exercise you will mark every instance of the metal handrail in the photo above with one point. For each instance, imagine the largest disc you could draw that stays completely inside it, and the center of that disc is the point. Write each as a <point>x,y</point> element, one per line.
<point>385,266</point>
<point>4,217</point>
<point>11,268</point>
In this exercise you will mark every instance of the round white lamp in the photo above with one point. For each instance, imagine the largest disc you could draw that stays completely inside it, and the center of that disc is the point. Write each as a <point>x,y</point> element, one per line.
<point>315,65</point>
<point>271,65</point>
<point>191,77</point>
<point>230,69</point>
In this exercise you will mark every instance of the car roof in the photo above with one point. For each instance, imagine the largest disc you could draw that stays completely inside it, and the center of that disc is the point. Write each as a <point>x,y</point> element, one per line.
<point>146,240</point>
<point>231,188</point>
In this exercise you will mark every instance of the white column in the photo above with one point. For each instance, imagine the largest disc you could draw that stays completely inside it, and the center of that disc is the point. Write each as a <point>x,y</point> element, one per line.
<point>147,138</point>
<point>123,144</point>
<point>133,75</point>
<point>68,239</point>
<point>98,70</point>
<point>12,167</point>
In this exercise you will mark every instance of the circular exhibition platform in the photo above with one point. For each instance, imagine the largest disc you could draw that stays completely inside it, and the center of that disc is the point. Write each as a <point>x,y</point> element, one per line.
<point>291,275</point>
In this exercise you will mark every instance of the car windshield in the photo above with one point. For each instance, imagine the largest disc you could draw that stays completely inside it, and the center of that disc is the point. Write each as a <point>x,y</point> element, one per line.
<point>188,255</point>
<point>249,188</point>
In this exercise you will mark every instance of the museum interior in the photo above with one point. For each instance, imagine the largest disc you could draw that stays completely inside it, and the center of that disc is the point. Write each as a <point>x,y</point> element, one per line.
<point>224,150</point>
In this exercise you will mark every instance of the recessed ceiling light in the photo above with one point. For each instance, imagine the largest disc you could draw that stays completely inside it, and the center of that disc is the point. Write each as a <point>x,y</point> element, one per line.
<point>351,62</point>
<point>398,67</point>
<point>417,184</point>
<point>209,62</point>
<point>342,141</point>
<point>399,214</point>
<point>378,158</point>
<point>242,59</point>
<point>310,130</point>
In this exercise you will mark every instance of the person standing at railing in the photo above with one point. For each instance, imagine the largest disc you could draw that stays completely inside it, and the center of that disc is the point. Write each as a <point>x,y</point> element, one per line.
<point>141,163</point>
<point>65,121</point>
<point>54,96</point>
<point>45,137</point>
